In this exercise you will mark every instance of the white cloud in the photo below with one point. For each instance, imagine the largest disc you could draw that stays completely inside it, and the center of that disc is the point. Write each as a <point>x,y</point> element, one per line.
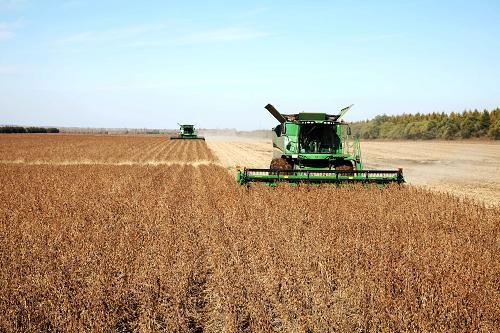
<point>6,70</point>
<point>156,35</point>
<point>71,3</point>
<point>110,35</point>
<point>5,34</point>
<point>13,4</point>
<point>147,43</point>
<point>223,35</point>
<point>7,29</point>
<point>256,11</point>
<point>202,37</point>
<point>79,37</point>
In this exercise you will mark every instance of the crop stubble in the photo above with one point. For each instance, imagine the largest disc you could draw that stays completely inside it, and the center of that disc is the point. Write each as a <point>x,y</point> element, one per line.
<point>184,248</point>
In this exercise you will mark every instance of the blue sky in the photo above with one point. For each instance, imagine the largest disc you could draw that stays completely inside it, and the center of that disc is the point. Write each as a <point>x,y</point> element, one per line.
<point>218,63</point>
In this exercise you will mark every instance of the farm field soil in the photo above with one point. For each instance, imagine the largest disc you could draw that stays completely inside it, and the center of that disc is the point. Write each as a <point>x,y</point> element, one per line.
<point>100,149</point>
<point>232,152</point>
<point>463,168</point>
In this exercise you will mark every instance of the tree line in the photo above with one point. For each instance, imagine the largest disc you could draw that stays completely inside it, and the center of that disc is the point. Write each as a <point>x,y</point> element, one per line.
<point>448,126</point>
<point>20,129</point>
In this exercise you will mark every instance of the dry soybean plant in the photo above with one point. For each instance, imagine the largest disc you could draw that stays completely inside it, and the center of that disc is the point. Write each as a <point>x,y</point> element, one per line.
<point>99,149</point>
<point>184,248</point>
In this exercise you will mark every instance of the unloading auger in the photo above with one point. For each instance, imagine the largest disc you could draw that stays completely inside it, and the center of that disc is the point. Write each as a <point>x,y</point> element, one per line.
<point>315,148</point>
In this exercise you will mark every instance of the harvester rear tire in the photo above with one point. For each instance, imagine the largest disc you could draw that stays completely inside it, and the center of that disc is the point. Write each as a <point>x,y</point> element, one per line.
<point>278,164</point>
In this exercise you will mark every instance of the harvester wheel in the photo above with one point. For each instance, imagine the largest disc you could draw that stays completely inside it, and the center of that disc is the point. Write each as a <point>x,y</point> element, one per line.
<point>279,164</point>
<point>344,165</point>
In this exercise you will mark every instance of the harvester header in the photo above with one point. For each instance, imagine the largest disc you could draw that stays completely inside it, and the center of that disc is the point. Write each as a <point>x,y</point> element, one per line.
<point>380,177</point>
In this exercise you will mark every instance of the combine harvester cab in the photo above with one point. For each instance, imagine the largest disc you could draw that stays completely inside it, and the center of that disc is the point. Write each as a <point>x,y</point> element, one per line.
<point>187,132</point>
<point>315,148</point>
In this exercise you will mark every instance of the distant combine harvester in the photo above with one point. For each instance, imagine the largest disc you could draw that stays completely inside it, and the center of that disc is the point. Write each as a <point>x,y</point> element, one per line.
<point>187,132</point>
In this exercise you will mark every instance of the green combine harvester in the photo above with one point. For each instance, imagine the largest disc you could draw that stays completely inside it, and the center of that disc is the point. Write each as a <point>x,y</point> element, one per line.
<point>187,132</point>
<point>315,148</point>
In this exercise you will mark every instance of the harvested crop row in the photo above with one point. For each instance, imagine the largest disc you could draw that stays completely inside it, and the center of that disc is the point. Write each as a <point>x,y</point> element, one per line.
<point>99,149</point>
<point>183,248</point>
